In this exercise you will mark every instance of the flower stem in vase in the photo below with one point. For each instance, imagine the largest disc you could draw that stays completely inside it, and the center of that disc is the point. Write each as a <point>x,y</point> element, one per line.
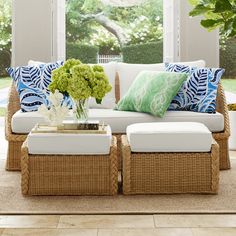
<point>81,110</point>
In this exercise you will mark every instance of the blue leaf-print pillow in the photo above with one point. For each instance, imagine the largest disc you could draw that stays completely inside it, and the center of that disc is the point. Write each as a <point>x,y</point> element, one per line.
<point>198,93</point>
<point>32,84</point>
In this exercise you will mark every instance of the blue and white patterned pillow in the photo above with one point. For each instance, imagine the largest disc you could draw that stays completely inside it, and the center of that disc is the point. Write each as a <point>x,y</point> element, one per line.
<point>32,84</point>
<point>198,93</point>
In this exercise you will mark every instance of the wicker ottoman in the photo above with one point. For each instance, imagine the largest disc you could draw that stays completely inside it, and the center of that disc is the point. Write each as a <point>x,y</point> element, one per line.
<point>47,174</point>
<point>172,172</point>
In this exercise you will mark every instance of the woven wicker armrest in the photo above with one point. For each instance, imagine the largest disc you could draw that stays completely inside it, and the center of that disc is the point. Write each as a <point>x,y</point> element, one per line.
<point>221,106</point>
<point>222,137</point>
<point>13,106</point>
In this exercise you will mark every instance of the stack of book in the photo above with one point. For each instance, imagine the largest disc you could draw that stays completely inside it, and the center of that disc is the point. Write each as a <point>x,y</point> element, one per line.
<point>88,127</point>
<point>74,125</point>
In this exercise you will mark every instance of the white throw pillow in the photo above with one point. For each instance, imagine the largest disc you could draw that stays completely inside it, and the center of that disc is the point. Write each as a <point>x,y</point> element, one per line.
<point>128,72</point>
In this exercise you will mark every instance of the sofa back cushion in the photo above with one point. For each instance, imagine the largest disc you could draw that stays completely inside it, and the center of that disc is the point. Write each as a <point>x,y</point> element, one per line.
<point>128,72</point>
<point>109,101</point>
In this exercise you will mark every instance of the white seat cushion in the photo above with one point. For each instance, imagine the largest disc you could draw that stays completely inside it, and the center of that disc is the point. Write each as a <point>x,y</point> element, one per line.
<point>72,144</point>
<point>128,72</point>
<point>24,122</point>
<point>119,120</point>
<point>169,137</point>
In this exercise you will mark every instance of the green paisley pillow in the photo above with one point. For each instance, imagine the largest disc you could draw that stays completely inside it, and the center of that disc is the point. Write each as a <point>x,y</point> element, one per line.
<point>152,92</point>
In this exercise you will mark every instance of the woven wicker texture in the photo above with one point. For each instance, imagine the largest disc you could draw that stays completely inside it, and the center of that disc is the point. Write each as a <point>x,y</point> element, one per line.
<point>15,140</point>
<point>169,173</point>
<point>69,175</point>
<point>223,137</point>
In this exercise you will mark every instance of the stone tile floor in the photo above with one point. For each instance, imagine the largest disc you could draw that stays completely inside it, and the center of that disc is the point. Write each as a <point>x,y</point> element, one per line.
<point>118,225</point>
<point>114,225</point>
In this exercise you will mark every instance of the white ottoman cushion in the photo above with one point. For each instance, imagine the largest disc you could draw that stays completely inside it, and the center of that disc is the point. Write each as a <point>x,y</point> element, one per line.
<point>69,144</point>
<point>169,137</point>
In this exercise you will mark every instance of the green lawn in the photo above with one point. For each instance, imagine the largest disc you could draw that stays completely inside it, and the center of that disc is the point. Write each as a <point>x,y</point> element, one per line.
<point>5,82</point>
<point>229,85</point>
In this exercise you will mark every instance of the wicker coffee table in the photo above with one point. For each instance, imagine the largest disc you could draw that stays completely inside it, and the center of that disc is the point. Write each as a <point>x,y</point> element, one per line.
<point>67,174</point>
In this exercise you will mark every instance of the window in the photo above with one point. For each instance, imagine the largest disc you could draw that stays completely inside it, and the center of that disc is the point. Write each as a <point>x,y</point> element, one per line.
<point>5,35</point>
<point>5,51</point>
<point>228,61</point>
<point>114,30</point>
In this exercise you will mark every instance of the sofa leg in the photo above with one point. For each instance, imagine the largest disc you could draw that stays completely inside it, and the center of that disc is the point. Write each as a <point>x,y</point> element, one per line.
<point>13,162</point>
<point>224,154</point>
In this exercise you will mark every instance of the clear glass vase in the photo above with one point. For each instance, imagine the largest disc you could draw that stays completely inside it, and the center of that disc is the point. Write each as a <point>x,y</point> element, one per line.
<point>81,110</point>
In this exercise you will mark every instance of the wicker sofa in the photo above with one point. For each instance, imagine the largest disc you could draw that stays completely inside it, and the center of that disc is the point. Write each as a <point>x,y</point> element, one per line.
<point>15,140</point>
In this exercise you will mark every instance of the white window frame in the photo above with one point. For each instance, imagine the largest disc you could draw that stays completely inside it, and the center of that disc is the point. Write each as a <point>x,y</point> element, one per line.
<point>58,30</point>
<point>171,39</point>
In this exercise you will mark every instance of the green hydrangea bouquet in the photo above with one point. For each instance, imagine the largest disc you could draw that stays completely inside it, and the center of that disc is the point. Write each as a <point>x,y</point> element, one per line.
<point>80,82</point>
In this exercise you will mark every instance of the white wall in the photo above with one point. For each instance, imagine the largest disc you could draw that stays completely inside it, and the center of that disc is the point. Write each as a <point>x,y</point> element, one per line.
<point>195,41</point>
<point>35,31</point>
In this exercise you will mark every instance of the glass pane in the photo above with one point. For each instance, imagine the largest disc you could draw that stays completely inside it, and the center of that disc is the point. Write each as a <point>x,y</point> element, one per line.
<point>5,51</point>
<point>228,62</point>
<point>100,31</point>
